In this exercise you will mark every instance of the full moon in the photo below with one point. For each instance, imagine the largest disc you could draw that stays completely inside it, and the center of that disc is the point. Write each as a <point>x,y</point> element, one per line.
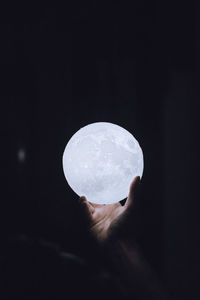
<point>100,161</point>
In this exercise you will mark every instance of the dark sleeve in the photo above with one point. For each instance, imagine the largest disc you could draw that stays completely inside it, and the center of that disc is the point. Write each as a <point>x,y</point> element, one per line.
<point>32,269</point>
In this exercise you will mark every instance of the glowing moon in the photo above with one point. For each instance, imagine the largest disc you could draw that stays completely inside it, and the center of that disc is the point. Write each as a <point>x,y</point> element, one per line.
<point>100,161</point>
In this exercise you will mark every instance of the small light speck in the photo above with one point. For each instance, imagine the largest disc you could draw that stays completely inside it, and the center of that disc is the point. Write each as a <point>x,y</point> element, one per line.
<point>21,155</point>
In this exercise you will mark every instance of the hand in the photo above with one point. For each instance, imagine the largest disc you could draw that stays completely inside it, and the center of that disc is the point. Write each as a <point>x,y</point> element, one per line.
<point>108,220</point>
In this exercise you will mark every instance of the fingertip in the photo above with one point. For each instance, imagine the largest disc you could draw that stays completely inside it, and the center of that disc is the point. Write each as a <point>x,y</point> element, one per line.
<point>82,198</point>
<point>135,181</point>
<point>133,190</point>
<point>83,202</point>
<point>86,206</point>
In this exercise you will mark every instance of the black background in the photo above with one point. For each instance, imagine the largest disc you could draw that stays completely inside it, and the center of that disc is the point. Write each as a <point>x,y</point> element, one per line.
<point>136,65</point>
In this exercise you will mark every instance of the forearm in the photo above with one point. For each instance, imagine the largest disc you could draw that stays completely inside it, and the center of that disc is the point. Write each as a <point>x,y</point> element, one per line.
<point>133,272</point>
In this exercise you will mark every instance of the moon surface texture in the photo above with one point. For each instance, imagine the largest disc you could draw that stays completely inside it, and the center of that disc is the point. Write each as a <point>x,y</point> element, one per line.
<point>100,161</point>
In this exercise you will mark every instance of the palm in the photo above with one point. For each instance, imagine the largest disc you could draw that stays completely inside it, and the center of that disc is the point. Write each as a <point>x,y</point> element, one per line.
<point>107,219</point>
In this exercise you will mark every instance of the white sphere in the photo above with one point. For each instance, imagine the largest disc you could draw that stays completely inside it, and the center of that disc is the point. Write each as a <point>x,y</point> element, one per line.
<point>100,161</point>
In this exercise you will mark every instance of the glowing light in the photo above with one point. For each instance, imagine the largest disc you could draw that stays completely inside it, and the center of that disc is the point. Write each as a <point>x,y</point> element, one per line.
<point>100,161</point>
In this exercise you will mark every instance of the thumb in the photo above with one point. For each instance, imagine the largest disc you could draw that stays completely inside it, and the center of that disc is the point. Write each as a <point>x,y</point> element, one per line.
<point>133,193</point>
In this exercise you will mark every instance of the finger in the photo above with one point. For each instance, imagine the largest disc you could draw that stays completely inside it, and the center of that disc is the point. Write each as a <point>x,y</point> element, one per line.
<point>96,205</point>
<point>86,205</point>
<point>133,191</point>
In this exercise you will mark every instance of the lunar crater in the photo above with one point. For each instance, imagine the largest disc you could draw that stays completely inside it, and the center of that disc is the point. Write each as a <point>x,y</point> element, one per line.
<point>100,161</point>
